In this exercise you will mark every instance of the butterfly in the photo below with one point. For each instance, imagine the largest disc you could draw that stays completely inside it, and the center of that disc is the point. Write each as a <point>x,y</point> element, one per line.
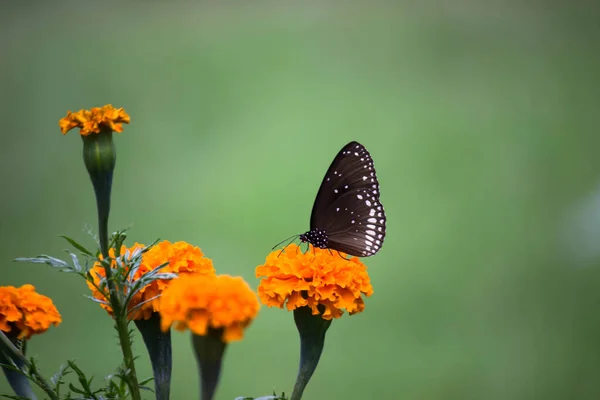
<point>347,215</point>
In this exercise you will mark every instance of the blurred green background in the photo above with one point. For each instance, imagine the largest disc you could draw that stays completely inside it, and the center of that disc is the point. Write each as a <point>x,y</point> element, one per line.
<point>482,119</point>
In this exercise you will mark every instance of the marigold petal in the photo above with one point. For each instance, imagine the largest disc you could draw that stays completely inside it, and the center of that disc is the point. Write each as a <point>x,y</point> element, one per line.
<point>315,278</point>
<point>295,300</point>
<point>200,301</point>
<point>182,258</point>
<point>233,332</point>
<point>96,119</point>
<point>198,321</point>
<point>24,312</point>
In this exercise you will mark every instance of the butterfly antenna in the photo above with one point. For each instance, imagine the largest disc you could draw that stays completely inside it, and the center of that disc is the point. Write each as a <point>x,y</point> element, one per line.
<point>284,240</point>
<point>285,247</point>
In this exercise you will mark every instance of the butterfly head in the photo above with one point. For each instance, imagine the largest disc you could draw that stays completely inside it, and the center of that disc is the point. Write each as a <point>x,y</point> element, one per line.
<point>303,237</point>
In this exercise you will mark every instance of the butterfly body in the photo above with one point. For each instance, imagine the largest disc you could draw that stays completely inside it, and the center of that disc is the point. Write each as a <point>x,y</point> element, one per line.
<point>316,237</point>
<point>347,215</point>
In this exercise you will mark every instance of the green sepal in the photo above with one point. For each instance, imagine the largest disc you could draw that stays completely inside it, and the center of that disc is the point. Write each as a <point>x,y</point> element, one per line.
<point>99,157</point>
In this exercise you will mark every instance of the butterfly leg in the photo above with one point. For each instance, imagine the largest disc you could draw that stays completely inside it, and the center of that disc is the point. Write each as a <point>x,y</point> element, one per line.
<point>307,248</point>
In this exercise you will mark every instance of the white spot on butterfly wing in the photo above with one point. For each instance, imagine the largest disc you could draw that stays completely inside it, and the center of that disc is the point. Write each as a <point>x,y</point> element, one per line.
<point>371,232</point>
<point>359,196</point>
<point>372,220</point>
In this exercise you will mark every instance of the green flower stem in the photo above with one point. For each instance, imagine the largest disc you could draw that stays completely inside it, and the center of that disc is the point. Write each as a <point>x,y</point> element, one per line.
<point>125,341</point>
<point>122,327</point>
<point>99,157</point>
<point>312,329</point>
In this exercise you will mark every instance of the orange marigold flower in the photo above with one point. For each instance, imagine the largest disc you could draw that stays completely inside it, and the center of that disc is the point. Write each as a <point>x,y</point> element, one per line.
<point>183,259</point>
<point>93,120</point>
<point>201,302</point>
<point>24,313</point>
<point>314,278</point>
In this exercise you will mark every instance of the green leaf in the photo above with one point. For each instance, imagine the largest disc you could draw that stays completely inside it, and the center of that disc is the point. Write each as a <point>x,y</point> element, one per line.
<point>90,231</point>
<point>45,259</point>
<point>151,245</point>
<point>146,381</point>
<point>75,389</point>
<point>77,246</point>
<point>85,383</point>
<point>75,262</point>
<point>8,396</point>
<point>12,368</point>
<point>56,378</point>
